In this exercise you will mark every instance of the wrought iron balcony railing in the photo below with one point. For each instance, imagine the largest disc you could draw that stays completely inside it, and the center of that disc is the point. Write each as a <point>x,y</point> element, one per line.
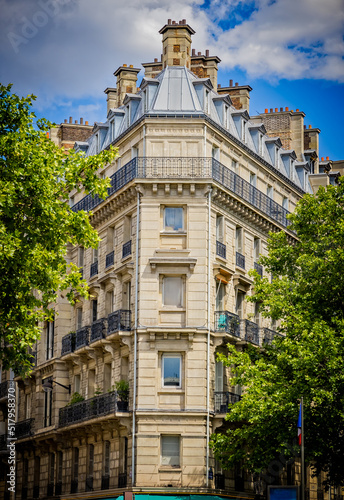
<point>4,386</point>
<point>240,260</point>
<point>68,343</point>
<point>250,331</point>
<point>98,330</point>
<point>223,400</point>
<point>184,168</point>
<point>24,428</point>
<point>268,335</point>
<point>220,249</point>
<point>86,410</point>
<point>82,337</point>
<point>94,269</point>
<point>119,321</point>
<point>259,269</point>
<point>110,259</point>
<point>122,480</point>
<point>126,249</point>
<point>227,322</point>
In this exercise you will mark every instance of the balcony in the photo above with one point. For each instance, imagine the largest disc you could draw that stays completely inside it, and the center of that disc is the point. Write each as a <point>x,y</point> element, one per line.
<point>228,322</point>
<point>82,337</point>
<point>126,249</point>
<point>122,480</point>
<point>259,269</point>
<point>89,409</point>
<point>24,428</point>
<point>94,269</point>
<point>110,259</point>
<point>220,249</point>
<point>98,330</point>
<point>250,331</point>
<point>240,260</point>
<point>68,343</point>
<point>268,335</point>
<point>4,386</point>
<point>223,400</point>
<point>119,321</point>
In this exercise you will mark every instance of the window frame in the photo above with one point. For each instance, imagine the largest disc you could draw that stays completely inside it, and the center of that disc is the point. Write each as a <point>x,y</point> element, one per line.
<point>164,356</point>
<point>164,284</point>
<point>169,229</point>
<point>165,458</point>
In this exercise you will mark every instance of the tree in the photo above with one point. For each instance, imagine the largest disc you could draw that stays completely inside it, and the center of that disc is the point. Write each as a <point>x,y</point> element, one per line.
<point>37,224</point>
<point>306,293</point>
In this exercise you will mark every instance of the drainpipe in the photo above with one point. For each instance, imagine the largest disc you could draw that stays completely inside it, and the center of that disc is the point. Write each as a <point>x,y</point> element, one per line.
<point>208,340</point>
<point>135,340</point>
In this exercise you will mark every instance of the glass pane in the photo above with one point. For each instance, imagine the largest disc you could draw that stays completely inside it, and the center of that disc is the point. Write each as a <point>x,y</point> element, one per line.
<point>173,218</point>
<point>171,371</point>
<point>170,450</point>
<point>172,292</point>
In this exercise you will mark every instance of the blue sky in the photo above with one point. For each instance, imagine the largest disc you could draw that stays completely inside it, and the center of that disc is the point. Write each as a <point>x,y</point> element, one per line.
<point>289,51</point>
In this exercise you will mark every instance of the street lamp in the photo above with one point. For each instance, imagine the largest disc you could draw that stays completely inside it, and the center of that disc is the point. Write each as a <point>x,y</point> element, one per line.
<point>47,385</point>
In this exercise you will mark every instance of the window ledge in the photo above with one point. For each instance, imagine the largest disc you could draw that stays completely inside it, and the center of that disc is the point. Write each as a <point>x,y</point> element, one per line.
<point>173,233</point>
<point>171,390</point>
<point>170,468</point>
<point>172,309</point>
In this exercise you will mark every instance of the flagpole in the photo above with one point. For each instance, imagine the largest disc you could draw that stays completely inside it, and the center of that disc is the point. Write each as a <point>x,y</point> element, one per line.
<point>302,454</point>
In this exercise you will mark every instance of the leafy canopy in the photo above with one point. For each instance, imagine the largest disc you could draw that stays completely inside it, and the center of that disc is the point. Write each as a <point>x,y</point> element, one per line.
<point>37,224</point>
<point>307,296</point>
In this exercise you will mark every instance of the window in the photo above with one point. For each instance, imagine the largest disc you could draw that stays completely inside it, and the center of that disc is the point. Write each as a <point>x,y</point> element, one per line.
<point>81,253</point>
<point>110,239</point>
<point>256,313</point>
<point>27,406</point>
<point>172,291</point>
<point>71,201</point>
<point>171,370</point>
<point>94,310</point>
<point>173,219</point>
<point>170,453</point>
<point>256,249</point>
<point>219,228</point>
<point>109,302</point>
<point>94,255</point>
<point>36,477</point>
<point>239,306</point>
<point>50,340</point>
<point>107,377</point>
<point>106,458</point>
<point>48,400</point>
<point>234,165</point>
<point>253,179</point>
<point>75,464</point>
<point>220,296</point>
<point>134,152</point>
<point>51,468</point>
<point>126,295</point>
<point>59,466</point>
<point>90,460</point>
<point>270,191</point>
<point>91,383</point>
<point>285,203</point>
<point>78,318</point>
<point>77,380</point>
<point>218,376</point>
<point>243,130</point>
<point>215,153</point>
<point>238,239</point>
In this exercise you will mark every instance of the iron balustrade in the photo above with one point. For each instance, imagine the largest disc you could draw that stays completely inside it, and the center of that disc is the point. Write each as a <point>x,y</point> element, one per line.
<point>268,335</point>
<point>88,409</point>
<point>24,428</point>
<point>227,322</point>
<point>105,482</point>
<point>220,249</point>
<point>98,330</point>
<point>68,343</point>
<point>126,249</point>
<point>240,260</point>
<point>259,269</point>
<point>122,480</point>
<point>188,168</point>
<point>223,400</point>
<point>94,269</point>
<point>82,337</point>
<point>119,321</point>
<point>250,331</point>
<point>110,259</point>
<point>219,481</point>
<point>4,386</point>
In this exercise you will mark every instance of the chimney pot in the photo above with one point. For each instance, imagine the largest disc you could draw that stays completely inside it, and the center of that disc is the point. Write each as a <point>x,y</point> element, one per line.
<point>70,119</point>
<point>276,110</point>
<point>236,84</point>
<point>304,126</point>
<point>219,85</point>
<point>65,120</point>
<point>131,66</point>
<point>207,53</point>
<point>86,122</point>
<point>169,21</point>
<point>81,121</point>
<point>327,158</point>
<point>75,121</point>
<point>155,59</point>
<point>266,110</point>
<point>309,126</point>
<point>271,110</point>
<point>173,22</point>
<point>297,110</point>
<point>231,83</point>
<point>291,111</point>
<point>199,53</point>
<point>193,52</point>
<point>322,158</point>
<point>124,65</point>
<point>287,109</point>
<point>281,109</point>
<point>184,21</point>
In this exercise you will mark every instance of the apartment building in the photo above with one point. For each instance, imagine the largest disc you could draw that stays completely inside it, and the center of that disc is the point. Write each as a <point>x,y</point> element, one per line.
<point>126,390</point>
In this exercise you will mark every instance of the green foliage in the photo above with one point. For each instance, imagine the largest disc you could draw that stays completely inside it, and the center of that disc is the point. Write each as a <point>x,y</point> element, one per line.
<point>76,398</point>
<point>307,296</point>
<point>122,388</point>
<point>37,224</point>
<point>98,391</point>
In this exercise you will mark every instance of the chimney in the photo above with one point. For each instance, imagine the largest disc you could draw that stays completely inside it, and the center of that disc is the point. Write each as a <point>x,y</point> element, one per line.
<point>81,121</point>
<point>287,109</point>
<point>276,110</point>
<point>207,53</point>
<point>327,158</point>
<point>271,110</point>
<point>70,119</point>
<point>86,122</point>
<point>126,82</point>
<point>281,109</point>
<point>176,43</point>
<point>266,110</point>
<point>111,98</point>
<point>231,83</point>
<point>65,120</point>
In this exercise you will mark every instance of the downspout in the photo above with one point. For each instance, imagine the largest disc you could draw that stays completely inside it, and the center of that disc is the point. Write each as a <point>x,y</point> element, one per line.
<point>135,340</point>
<point>208,340</point>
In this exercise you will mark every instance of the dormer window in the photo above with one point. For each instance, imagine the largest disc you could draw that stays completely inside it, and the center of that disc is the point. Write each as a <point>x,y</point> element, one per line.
<point>243,130</point>
<point>112,130</point>
<point>128,115</point>
<point>206,102</point>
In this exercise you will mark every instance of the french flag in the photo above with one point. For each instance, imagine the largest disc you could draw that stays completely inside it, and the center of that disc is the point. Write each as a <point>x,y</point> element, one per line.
<point>299,426</point>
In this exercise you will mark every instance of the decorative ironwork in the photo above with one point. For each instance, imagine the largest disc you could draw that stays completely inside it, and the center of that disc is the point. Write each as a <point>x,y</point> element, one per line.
<point>219,481</point>
<point>126,249</point>
<point>82,337</point>
<point>268,335</point>
<point>105,482</point>
<point>68,343</point>
<point>122,480</point>
<point>220,249</point>
<point>4,386</point>
<point>94,269</point>
<point>184,168</point>
<point>119,321</point>
<point>259,269</point>
<point>223,400</point>
<point>24,428</point>
<point>86,410</point>
<point>227,322</point>
<point>250,331</point>
<point>240,260</point>
<point>98,329</point>
<point>110,259</point>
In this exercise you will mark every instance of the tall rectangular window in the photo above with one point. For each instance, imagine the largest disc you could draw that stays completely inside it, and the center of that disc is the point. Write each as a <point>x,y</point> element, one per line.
<point>256,249</point>
<point>220,296</point>
<point>126,295</point>
<point>173,219</point>
<point>59,466</point>
<point>51,468</point>
<point>94,310</point>
<point>239,305</point>
<point>107,377</point>
<point>106,458</point>
<point>75,464</point>
<point>171,370</point>
<point>219,228</point>
<point>270,191</point>
<point>234,165</point>
<point>253,179</point>
<point>238,240</point>
<point>285,203</point>
<point>77,383</point>
<point>91,383</point>
<point>27,406</point>
<point>48,402</point>
<point>79,318</point>
<point>172,291</point>
<point>94,255</point>
<point>218,376</point>
<point>90,460</point>
<point>109,302</point>
<point>50,340</point>
<point>170,450</point>
<point>81,254</point>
